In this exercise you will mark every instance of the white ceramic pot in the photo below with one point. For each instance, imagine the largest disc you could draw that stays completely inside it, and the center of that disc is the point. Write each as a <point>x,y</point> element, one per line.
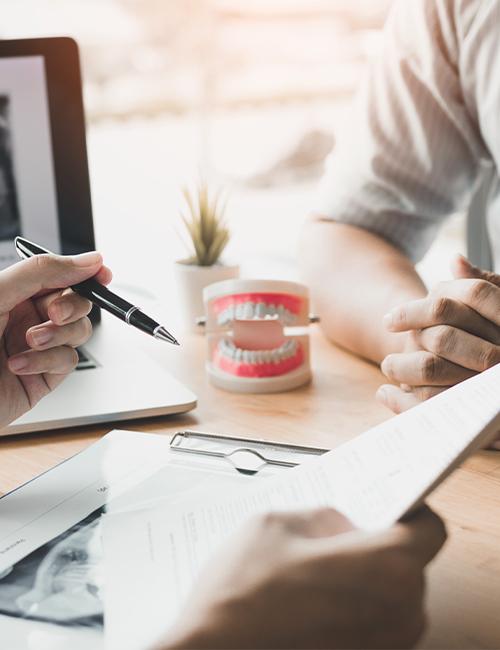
<point>191,280</point>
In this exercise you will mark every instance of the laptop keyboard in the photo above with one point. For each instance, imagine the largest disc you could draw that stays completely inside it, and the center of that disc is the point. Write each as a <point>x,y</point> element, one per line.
<point>85,361</point>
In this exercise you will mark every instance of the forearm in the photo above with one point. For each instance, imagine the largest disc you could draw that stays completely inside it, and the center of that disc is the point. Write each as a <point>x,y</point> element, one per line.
<point>356,277</point>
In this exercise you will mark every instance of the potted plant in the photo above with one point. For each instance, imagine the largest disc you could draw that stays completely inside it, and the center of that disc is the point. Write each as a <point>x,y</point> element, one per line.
<point>208,235</point>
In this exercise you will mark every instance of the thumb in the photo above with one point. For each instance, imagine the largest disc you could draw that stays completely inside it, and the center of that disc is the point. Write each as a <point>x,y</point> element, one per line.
<point>44,272</point>
<point>321,522</point>
<point>463,269</point>
<point>422,534</point>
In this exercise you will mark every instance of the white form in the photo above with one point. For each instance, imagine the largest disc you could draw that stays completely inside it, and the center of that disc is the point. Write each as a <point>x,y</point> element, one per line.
<point>152,557</point>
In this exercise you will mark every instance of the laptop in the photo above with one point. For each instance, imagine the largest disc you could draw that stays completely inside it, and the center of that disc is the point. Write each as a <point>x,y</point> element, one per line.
<point>45,197</point>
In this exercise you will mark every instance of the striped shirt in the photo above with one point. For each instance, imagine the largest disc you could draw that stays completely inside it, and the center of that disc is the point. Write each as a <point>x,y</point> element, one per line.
<point>426,126</point>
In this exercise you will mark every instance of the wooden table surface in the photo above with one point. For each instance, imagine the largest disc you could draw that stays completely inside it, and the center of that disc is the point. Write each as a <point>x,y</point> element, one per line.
<point>464,581</point>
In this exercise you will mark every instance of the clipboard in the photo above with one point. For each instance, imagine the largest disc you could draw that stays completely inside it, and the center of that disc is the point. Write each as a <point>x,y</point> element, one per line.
<point>247,456</point>
<point>123,471</point>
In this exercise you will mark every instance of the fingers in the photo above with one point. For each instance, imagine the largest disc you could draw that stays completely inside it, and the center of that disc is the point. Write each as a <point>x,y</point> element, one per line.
<point>63,308</point>
<point>51,348</point>
<point>47,335</point>
<point>28,277</point>
<point>104,275</point>
<point>66,306</point>
<point>57,361</point>
<point>462,268</point>
<point>322,522</point>
<point>422,535</point>
<point>398,400</point>
<point>423,368</point>
<point>418,536</point>
<point>459,347</point>
<point>455,355</point>
<point>479,294</point>
<point>440,310</point>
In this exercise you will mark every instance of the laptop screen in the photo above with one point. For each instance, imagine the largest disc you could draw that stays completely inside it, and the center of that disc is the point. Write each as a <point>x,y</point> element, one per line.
<point>28,201</point>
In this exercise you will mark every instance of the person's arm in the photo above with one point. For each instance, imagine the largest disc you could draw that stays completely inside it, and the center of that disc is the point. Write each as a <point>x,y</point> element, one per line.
<point>311,581</point>
<point>356,277</point>
<point>408,158</point>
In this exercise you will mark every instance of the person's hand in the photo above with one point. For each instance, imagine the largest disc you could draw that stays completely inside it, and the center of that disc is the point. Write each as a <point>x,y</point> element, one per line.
<point>311,581</point>
<point>453,334</point>
<point>41,322</point>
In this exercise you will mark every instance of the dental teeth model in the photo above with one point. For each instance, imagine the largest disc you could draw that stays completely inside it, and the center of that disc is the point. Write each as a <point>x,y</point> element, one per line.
<point>256,337</point>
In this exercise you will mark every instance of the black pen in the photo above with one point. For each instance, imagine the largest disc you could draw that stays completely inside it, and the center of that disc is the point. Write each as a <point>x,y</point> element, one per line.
<point>104,298</point>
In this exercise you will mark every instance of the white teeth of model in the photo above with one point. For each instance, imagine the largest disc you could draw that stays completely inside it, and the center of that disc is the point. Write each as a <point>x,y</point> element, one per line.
<point>275,356</point>
<point>226,315</point>
<point>246,356</point>
<point>227,348</point>
<point>238,355</point>
<point>252,357</point>
<point>260,310</point>
<point>248,310</point>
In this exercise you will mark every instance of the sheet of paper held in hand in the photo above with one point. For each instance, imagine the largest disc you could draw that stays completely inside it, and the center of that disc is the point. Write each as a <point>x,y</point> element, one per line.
<point>153,556</point>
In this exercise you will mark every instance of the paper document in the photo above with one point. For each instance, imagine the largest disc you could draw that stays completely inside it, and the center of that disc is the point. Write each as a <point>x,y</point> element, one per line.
<point>153,556</point>
<point>50,533</point>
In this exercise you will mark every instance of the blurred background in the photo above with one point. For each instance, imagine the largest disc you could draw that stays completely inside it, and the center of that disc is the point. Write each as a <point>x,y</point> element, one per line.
<point>248,94</point>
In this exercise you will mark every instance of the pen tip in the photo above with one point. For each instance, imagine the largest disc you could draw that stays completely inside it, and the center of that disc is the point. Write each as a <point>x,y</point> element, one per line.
<point>164,335</point>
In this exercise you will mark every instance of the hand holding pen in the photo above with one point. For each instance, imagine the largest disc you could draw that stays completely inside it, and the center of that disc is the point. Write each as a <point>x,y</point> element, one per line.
<point>41,324</point>
<point>101,296</point>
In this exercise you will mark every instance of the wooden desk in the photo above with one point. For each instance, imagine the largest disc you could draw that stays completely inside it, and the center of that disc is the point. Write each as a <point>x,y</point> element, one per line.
<point>464,582</point>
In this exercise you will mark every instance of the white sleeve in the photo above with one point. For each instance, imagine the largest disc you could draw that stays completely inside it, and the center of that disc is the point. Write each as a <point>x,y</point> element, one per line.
<point>411,156</point>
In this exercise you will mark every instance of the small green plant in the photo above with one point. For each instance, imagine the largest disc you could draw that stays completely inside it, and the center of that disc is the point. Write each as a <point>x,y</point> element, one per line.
<point>205,225</point>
